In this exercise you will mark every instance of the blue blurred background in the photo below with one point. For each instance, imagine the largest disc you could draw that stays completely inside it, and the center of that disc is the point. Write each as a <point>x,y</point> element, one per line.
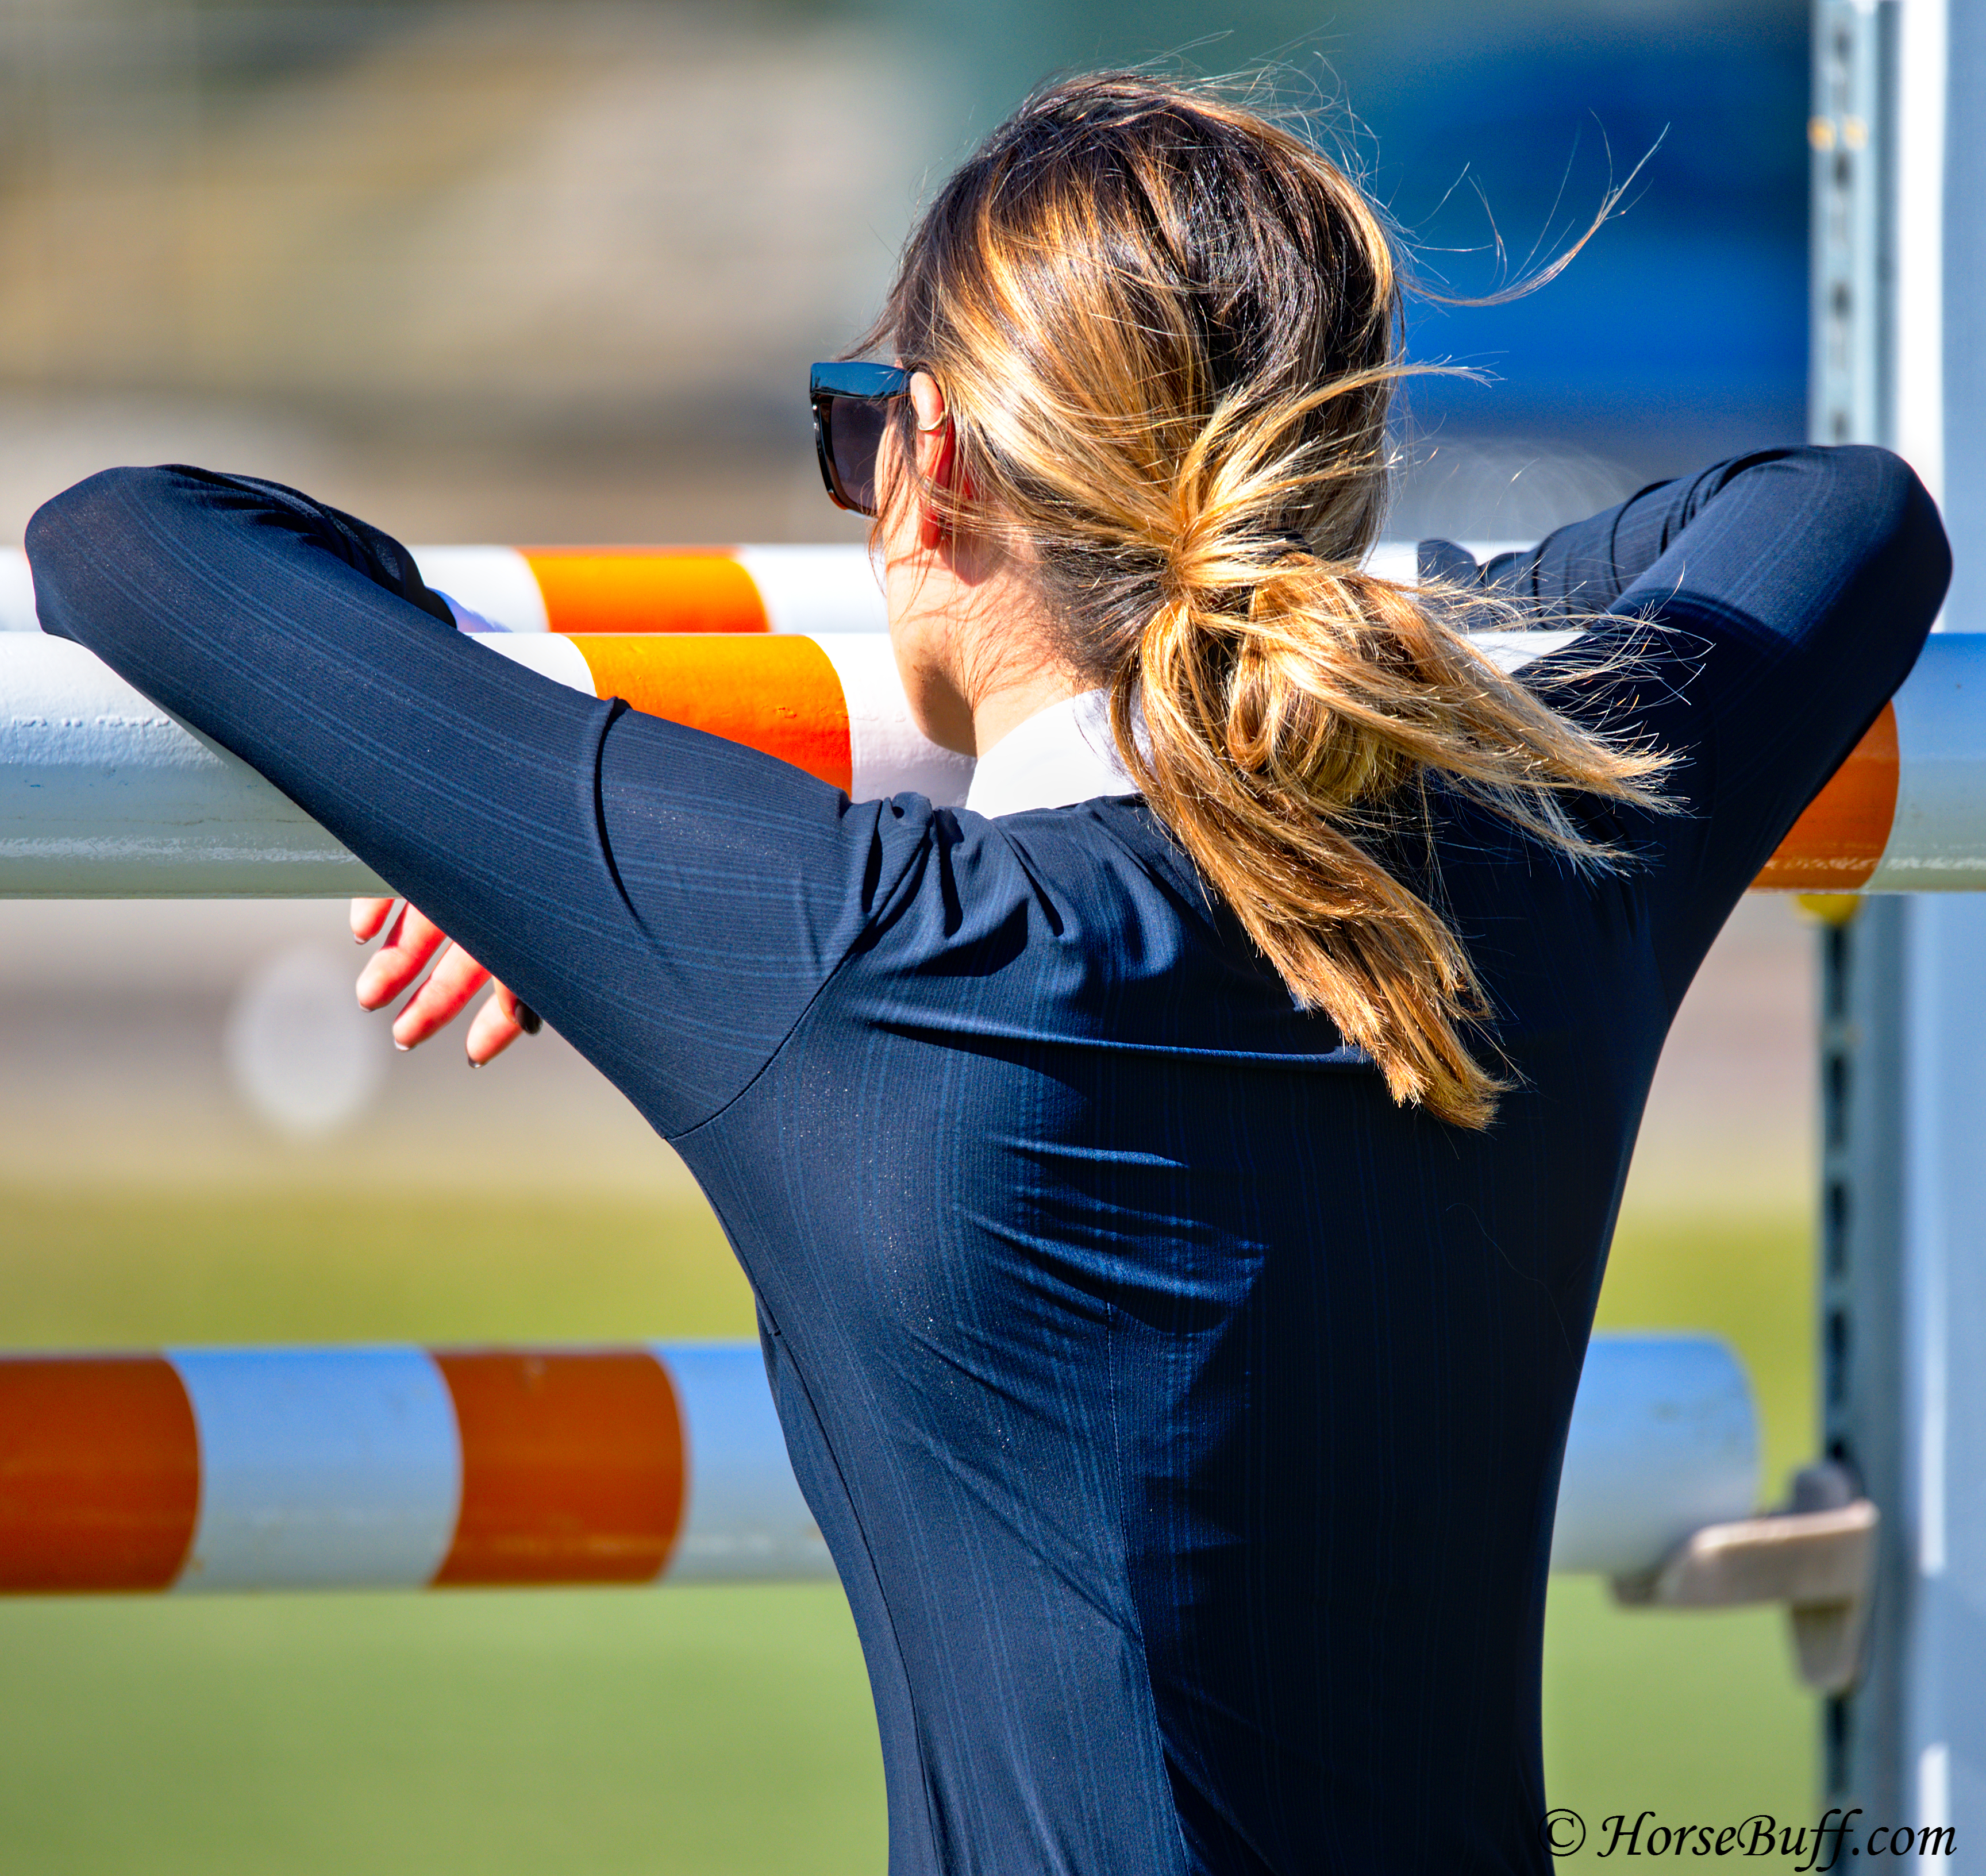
<point>553,271</point>
<point>1492,135</point>
<point>557,269</point>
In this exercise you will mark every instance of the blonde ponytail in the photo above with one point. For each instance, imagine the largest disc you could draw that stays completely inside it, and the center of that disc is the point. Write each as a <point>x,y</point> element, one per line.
<point>1283,743</point>
<point>1166,329</point>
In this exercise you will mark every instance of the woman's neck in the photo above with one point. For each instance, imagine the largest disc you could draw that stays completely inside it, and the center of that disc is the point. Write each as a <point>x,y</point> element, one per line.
<point>978,651</point>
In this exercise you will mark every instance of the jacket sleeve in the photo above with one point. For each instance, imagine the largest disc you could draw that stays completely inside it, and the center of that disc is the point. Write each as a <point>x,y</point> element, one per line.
<point>1764,611</point>
<point>669,901</point>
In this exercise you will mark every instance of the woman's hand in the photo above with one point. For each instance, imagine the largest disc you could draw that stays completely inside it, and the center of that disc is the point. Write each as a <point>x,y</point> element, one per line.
<point>410,945</point>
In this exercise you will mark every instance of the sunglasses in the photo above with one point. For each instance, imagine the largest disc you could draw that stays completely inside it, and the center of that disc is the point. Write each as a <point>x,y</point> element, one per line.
<point>851,410</point>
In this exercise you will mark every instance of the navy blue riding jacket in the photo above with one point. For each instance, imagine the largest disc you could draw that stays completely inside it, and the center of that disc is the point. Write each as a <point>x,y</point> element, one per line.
<point>1185,1417</point>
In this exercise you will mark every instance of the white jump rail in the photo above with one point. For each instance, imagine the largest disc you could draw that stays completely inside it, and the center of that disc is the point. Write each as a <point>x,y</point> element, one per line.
<point>103,795</point>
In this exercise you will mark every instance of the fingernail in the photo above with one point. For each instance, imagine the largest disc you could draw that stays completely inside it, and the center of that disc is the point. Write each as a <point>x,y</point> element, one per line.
<point>402,1047</point>
<point>472,1061</point>
<point>528,1020</point>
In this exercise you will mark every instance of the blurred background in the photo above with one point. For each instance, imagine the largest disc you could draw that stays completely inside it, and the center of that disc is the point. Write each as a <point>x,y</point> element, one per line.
<point>550,273</point>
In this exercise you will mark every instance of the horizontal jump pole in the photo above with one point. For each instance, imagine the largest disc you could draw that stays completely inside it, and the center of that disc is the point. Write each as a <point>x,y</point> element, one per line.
<point>206,1470</point>
<point>202,1471</point>
<point>747,588</point>
<point>103,795</point>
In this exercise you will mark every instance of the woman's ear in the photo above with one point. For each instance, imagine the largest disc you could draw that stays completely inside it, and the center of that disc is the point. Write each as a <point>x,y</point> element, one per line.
<point>936,455</point>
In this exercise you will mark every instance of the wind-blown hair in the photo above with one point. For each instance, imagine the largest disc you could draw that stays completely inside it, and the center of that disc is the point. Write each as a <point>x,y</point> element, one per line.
<point>1167,332</point>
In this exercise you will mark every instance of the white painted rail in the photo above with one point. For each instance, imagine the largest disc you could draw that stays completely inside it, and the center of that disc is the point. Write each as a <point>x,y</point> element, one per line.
<point>102,795</point>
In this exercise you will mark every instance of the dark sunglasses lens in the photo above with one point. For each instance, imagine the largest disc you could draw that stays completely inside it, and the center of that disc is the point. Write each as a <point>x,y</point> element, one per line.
<point>854,434</point>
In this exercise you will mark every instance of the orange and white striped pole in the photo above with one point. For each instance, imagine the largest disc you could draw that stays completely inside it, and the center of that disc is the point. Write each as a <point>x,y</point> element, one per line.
<point>607,589</point>
<point>201,1470</point>
<point>744,589</point>
<point>218,1469</point>
<point>747,589</point>
<point>831,704</point>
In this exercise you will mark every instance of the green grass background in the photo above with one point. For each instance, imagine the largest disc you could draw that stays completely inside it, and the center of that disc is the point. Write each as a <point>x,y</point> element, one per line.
<point>692,1730</point>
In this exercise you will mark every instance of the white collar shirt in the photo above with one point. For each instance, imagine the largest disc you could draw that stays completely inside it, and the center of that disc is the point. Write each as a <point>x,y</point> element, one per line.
<point>1059,756</point>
